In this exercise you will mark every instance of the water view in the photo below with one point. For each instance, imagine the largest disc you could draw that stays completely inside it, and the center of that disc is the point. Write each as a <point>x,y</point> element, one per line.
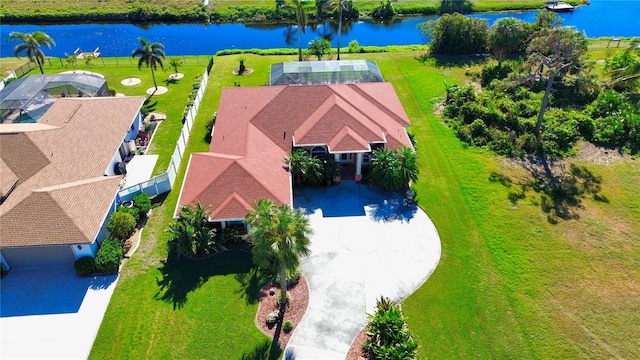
<point>601,18</point>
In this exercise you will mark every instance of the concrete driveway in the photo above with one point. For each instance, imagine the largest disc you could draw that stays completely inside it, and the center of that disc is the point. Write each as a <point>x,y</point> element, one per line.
<point>51,313</point>
<point>365,244</point>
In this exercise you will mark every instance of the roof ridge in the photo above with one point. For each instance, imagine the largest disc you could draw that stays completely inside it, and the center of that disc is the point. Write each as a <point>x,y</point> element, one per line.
<point>315,117</point>
<point>233,196</point>
<point>247,169</point>
<point>378,104</point>
<point>74,184</point>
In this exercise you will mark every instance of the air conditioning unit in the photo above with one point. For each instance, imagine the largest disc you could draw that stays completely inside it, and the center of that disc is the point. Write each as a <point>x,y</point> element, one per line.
<point>131,147</point>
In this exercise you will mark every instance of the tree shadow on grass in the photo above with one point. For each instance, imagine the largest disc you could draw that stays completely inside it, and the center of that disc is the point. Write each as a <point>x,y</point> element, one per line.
<point>250,284</point>
<point>181,276</point>
<point>267,350</point>
<point>561,191</point>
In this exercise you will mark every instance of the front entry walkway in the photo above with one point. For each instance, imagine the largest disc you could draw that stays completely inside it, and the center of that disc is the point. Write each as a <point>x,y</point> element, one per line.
<point>365,244</point>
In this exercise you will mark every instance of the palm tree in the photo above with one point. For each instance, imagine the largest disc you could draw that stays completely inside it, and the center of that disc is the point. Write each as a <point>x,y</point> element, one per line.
<point>301,18</point>
<point>393,169</point>
<point>31,44</point>
<point>408,165</point>
<point>151,54</point>
<point>340,5</point>
<point>281,237</point>
<point>304,168</point>
<point>190,234</point>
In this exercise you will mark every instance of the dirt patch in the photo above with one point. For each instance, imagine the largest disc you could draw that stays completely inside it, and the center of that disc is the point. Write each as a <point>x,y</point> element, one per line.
<point>247,71</point>
<point>599,155</point>
<point>294,311</point>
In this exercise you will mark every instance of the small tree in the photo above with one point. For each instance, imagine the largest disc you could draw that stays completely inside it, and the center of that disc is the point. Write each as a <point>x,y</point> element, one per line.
<point>175,63</point>
<point>88,60</point>
<point>121,225</point>
<point>71,60</point>
<point>552,53</point>
<point>301,19</point>
<point>506,36</point>
<point>319,47</point>
<point>190,233</point>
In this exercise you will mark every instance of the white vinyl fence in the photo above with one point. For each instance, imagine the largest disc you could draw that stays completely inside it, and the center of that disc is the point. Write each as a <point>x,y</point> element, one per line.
<point>164,182</point>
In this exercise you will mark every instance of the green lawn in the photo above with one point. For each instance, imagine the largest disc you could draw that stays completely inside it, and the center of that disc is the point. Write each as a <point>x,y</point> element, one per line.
<point>509,284</point>
<point>171,103</point>
<point>204,311</point>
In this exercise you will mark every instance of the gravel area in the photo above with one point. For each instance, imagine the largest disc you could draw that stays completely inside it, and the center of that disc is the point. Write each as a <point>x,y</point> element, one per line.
<point>294,311</point>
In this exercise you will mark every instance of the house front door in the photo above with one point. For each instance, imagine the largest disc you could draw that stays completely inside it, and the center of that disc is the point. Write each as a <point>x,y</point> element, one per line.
<point>346,158</point>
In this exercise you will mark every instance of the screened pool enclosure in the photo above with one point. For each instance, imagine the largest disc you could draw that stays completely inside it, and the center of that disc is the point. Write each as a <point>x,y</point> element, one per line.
<point>27,99</point>
<point>325,72</point>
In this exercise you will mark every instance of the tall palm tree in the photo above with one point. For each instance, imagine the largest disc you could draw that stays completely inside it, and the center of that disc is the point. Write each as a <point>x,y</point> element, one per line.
<point>340,5</point>
<point>31,44</point>
<point>281,237</point>
<point>151,54</point>
<point>301,18</point>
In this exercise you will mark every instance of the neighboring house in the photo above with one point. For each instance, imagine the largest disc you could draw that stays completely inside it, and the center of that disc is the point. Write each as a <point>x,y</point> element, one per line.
<point>257,127</point>
<point>58,178</point>
<point>25,100</point>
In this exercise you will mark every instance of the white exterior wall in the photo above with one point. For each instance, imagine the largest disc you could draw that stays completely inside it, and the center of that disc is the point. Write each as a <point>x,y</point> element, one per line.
<point>81,250</point>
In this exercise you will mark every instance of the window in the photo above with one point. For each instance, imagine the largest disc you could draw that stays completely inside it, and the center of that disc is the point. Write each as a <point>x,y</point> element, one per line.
<point>366,158</point>
<point>318,151</point>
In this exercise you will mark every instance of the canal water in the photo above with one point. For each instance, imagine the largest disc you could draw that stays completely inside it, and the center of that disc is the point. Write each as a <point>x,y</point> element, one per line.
<point>602,18</point>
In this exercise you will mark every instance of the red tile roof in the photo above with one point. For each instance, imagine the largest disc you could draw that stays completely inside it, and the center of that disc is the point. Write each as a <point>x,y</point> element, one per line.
<point>256,128</point>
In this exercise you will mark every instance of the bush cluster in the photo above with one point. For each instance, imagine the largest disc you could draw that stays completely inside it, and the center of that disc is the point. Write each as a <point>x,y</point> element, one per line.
<point>389,336</point>
<point>85,266</point>
<point>121,224</point>
<point>502,117</point>
<point>109,256</point>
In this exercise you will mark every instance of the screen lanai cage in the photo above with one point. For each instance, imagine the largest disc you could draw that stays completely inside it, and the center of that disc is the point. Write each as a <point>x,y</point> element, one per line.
<point>325,72</point>
<point>27,99</point>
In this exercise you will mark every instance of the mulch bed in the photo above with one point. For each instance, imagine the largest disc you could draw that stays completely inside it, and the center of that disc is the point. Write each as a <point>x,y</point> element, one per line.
<point>247,71</point>
<point>295,309</point>
<point>355,351</point>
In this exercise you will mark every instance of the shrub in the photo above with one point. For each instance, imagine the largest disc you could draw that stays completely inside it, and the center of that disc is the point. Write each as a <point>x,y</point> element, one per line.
<point>389,336</point>
<point>142,202</point>
<point>129,210</point>
<point>232,235</point>
<point>85,265</point>
<point>209,127</point>
<point>287,326</point>
<point>354,47</point>
<point>121,225</point>
<point>109,256</point>
<point>293,276</point>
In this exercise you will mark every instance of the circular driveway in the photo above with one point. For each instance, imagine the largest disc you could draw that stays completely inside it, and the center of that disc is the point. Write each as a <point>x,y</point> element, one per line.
<point>366,244</point>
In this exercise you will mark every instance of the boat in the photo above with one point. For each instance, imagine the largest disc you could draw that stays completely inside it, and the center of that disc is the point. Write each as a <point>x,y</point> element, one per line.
<point>558,6</point>
<point>82,54</point>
